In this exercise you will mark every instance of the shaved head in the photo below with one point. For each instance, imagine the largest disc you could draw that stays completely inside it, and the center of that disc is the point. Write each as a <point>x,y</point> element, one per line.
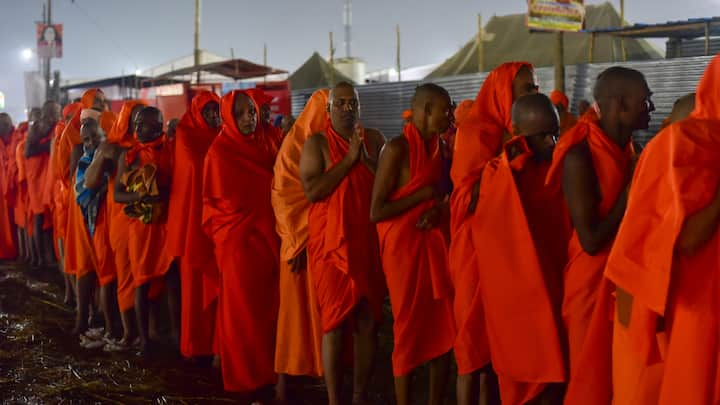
<point>431,108</point>
<point>344,108</point>
<point>615,82</point>
<point>681,109</point>
<point>623,96</point>
<point>6,125</point>
<point>534,117</point>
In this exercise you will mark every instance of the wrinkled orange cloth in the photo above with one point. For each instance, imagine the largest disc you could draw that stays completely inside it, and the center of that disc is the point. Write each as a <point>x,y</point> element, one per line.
<point>198,268</point>
<point>122,135</point>
<point>298,349</point>
<point>79,252</point>
<point>677,175</point>
<point>478,139</point>
<point>242,227</point>
<point>36,168</point>
<point>342,248</point>
<point>146,242</point>
<point>587,302</point>
<point>523,253</point>
<point>462,111</point>
<point>419,284</point>
<point>22,208</point>
<point>567,121</point>
<point>8,246</point>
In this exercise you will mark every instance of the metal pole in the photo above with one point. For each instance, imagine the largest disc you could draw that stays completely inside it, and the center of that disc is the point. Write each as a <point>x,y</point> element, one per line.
<point>48,88</point>
<point>332,61</point>
<point>622,24</point>
<point>397,52</point>
<point>265,61</point>
<point>560,61</point>
<point>591,48</point>
<point>197,40</point>
<point>707,39</point>
<point>480,45</point>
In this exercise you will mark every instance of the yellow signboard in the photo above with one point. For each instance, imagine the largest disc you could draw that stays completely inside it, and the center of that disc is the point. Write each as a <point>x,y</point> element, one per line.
<point>559,15</point>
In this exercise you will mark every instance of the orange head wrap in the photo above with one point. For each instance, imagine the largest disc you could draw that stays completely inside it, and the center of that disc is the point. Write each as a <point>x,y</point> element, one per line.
<point>559,98</point>
<point>122,132</point>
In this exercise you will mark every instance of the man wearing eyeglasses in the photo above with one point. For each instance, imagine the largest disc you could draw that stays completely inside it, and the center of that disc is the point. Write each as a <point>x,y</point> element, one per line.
<point>337,169</point>
<point>594,162</point>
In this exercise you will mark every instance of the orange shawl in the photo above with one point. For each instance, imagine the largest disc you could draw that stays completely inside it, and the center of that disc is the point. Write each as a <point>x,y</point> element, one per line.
<point>419,284</point>
<point>587,302</point>
<point>299,337</point>
<point>478,140</point>
<point>242,227</point>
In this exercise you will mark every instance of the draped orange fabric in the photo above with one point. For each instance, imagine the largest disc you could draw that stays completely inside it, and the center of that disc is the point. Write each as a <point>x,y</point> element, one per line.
<point>419,284</point>
<point>299,335</point>
<point>567,119</point>
<point>587,302</point>
<point>462,111</point>
<point>342,245</point>
<point>36,168</point>
<point>56,197</point>
<point>677,176</point>
<point>523,253</point>
<point>8,247</point>
<point>185,239</point>
<point>478,139</point>
<point>106,270</point>
<point>242,227</point>
<point>22,209</point>
<point>149,259</point>
<point>122,130</point>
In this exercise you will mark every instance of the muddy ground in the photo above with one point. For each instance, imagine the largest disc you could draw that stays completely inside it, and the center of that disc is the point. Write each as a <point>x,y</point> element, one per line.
<point>40,362</point>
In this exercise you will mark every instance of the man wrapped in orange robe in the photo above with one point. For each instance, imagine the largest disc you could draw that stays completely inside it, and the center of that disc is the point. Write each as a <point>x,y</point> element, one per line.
<point>479,138</point>
<point>665,256</point>
<point>299,336</point>
<point>8,245</point>
<point>242,226</point>
<point>594,162</point>
<point>22,207</point>
<point>195,133</point>
<point>337,172</point>
<point>562,104</point>
<point>524,251</point>
<point>412,217</point>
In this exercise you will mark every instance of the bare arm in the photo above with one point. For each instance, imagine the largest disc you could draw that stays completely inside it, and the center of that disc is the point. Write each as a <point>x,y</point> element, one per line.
<point>95,172</point>
<point>122,196</point>
<point>33,146</point>
<point>391,162</point>
<point>316,182</point>
<point>699,228</point>
<point>579,186</point>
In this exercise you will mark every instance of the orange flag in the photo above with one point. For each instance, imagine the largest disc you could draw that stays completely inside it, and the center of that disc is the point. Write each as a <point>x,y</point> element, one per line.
<point>419,284</point>
<point>677,175</point>
<point>521,292</point>
<point>299,337</point>
<point>587,303</point>
<point>198,267</point>
<point>342,243</point>
<point>242,227</point>
<point>478,139</point>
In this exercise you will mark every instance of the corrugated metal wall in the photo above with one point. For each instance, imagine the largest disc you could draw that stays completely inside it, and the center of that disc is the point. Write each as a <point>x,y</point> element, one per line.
<point>669,79</point>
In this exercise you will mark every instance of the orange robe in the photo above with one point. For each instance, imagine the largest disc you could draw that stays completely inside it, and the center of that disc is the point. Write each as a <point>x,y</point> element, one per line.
<point>567,119</point>
<point>21,201</point>
<point>242,227</point>
<point>587,302</point>
<point>36,168</point>
<point>8,246</point>
<point>524,251</point>
<point>149,260</point>
<point>478,139</point>
<point>419,284</point>
<point>298,349</point>
<point>342,248</point>
<point>677,176</point>
<point>186,240</point>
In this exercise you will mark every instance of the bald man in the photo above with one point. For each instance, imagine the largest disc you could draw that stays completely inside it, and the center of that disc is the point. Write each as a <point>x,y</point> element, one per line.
<point>681,110</point>
<point>337,169</point>
<point>594,162</point>
<point>412,216</point>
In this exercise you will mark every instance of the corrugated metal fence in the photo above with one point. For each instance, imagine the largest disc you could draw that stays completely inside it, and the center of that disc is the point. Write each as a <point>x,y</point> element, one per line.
<point>669,79</point>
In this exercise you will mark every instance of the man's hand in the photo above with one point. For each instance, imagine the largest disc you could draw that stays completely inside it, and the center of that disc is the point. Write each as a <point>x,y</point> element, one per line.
<point>430,218</point>
<point>356,146</point>
<point>299,262</point>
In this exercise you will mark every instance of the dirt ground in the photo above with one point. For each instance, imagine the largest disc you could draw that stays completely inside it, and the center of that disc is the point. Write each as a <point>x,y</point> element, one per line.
<point>41,363</point>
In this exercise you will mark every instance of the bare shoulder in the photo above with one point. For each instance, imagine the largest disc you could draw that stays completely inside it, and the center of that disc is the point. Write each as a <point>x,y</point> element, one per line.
<point>375,136</point>
<point>578,158</point>
<point>396,147</point>
<point>316,141</point>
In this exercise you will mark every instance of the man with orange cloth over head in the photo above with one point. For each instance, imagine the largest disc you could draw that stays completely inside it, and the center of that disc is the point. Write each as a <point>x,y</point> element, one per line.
<point>411,213</point>
<point>195,132</point>
<point>337,169</point>
<point>238,217</point>
<point>299,336</point>
<point>479,138</point>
